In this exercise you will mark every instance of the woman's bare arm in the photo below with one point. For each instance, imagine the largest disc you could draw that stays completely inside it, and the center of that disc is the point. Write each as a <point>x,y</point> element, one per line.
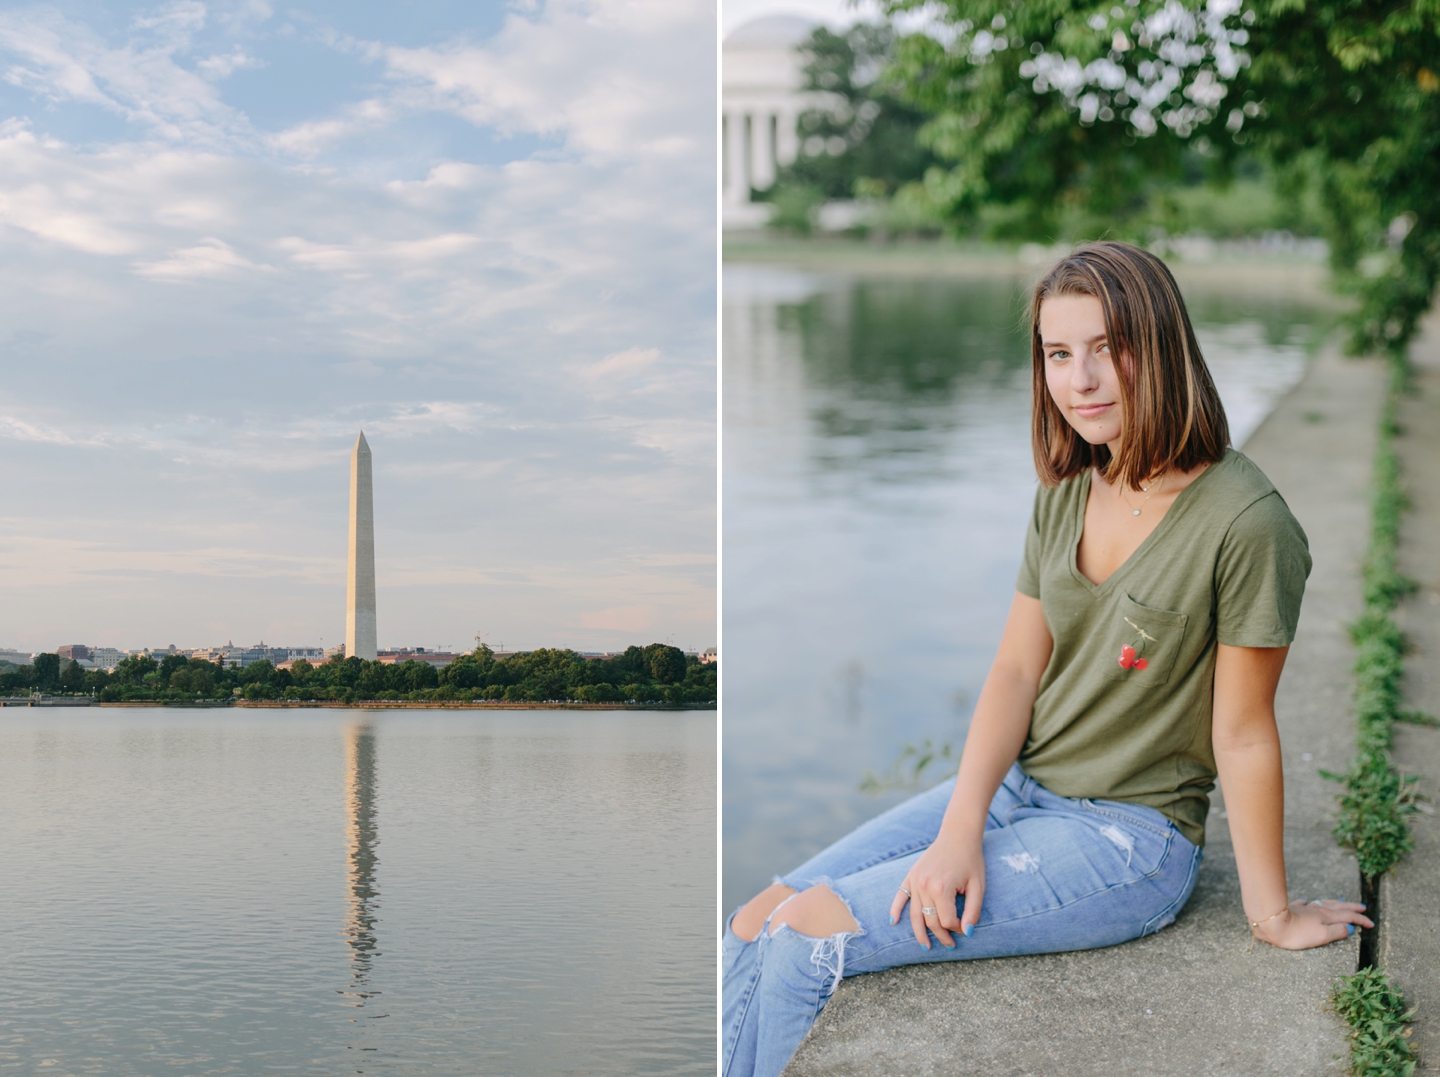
<point>955,862</point>
<point>1247,755</point>
<point>1002,715</point>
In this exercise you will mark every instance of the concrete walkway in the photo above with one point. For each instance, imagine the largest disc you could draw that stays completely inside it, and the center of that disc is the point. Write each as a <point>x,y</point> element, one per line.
<point>1196,999</point>
<point>1409,942</point>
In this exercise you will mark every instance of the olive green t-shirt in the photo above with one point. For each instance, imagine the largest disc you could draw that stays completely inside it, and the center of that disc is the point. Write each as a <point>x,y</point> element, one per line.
<point>1226,564</point>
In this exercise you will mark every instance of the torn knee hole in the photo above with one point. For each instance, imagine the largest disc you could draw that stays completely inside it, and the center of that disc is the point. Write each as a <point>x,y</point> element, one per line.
<point>748,921</point>
<point>816,912</point>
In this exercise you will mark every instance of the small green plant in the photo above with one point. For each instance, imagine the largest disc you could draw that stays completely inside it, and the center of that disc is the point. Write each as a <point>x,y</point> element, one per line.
<point>907,773</point>
<point>1418,718</point>
<point>1379,1039</point>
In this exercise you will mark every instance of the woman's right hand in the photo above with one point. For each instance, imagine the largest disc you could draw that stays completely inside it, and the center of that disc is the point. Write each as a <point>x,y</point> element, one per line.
<point>954,864</point>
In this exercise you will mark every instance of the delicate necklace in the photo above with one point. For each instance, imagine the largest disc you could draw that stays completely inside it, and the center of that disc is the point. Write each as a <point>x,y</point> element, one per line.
<point>1149,492</point>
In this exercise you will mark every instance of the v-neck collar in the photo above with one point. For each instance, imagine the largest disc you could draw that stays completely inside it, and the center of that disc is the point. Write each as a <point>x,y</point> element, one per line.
<point>1095,590</point>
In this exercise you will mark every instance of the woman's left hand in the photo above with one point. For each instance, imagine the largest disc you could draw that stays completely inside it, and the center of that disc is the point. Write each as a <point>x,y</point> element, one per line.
<point>1313,923</point>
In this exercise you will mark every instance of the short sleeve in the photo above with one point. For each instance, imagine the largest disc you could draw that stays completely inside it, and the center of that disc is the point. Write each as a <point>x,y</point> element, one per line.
<point>1260,576</point>
<point>1028,582</point>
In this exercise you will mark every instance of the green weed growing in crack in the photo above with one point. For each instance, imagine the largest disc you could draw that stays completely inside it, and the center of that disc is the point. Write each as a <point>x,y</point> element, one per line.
<point>1379,1039</point>
<point>1376,800</point>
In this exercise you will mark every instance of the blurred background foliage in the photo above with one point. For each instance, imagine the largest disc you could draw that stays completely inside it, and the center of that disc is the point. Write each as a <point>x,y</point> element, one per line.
<point>1061,121</point>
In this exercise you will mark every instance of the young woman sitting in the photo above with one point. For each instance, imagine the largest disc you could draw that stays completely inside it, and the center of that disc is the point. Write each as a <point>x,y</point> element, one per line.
<point>1157,598</point>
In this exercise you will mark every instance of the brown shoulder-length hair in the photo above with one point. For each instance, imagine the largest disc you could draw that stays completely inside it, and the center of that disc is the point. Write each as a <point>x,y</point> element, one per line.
<point>1171,414</point>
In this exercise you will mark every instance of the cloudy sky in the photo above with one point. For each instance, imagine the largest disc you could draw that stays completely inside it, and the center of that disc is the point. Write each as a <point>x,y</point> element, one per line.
<point>234,233</point>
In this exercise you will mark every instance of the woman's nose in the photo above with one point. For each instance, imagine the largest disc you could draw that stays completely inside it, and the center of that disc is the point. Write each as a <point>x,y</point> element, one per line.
<point>1083,375</point>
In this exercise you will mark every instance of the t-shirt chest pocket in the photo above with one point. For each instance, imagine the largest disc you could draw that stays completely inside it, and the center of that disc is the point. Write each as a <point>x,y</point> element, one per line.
<point>1143,642</point>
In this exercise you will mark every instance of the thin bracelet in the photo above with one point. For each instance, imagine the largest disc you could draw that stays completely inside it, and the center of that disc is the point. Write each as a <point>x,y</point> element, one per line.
<point>1255,924</point>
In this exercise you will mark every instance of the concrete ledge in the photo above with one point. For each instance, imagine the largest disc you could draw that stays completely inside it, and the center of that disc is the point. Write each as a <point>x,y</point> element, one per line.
<point>1196,999</point>
<point>1409,941</point>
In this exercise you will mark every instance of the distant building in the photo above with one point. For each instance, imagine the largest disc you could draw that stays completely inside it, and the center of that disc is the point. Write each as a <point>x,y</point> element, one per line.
<point>231,655</point>
<point>242,657</point>
<point>73,652</point>
<point>415,654</point>
<point>106,658</point>
<point>762,97</point>
<point>19,658</point>
<point>708,655</point>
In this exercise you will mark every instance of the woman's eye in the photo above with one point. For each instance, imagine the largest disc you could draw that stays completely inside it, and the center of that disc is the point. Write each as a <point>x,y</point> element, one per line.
<point>1059,355</point>
<point>1103,348</point>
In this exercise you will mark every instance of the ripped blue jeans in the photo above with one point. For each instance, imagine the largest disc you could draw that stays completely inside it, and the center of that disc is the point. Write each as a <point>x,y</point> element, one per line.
<point>1061,874</point>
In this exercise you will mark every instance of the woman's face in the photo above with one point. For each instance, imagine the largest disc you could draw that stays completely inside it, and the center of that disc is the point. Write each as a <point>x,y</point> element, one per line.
<point>1079,372</point>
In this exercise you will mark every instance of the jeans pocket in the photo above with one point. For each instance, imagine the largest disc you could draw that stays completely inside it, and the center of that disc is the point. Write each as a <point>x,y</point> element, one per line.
<point>1143,845</point>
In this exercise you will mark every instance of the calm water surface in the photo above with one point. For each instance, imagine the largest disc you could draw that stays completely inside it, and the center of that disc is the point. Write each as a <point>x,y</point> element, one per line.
<point>877,483</point>
<point>327,892</point>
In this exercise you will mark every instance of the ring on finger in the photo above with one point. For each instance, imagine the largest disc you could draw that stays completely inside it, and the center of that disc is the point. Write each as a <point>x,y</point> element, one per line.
<point>904,891</point>
<point>928,911</point>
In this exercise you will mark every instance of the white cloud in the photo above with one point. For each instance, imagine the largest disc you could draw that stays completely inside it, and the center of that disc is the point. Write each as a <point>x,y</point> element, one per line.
<point>219,67</point>
<point>613,77</point>
<point>176,20</point>
<point>65,61</point>
<point>621,364</point>
<point>313,137</point>
<point>209,258</point>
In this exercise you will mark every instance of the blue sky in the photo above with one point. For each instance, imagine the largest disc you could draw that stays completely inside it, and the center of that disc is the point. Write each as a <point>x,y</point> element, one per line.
<point>233,234</point>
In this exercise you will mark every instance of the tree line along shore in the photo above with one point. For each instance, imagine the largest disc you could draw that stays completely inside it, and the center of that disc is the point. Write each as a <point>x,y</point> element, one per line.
<point>658,673</point>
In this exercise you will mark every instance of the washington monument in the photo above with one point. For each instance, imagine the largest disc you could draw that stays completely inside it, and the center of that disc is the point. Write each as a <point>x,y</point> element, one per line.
<point>360,581</point>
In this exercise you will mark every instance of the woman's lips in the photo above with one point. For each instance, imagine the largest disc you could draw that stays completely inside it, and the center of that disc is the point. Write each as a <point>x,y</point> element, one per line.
<point>1090,411</point>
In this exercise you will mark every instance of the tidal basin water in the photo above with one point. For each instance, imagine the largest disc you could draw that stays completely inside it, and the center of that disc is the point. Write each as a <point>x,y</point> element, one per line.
<point>331,892</point>
<point>877,483</point>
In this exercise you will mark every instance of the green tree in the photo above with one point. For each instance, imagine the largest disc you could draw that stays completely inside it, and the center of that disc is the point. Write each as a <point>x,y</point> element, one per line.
<point>417,676</point>
<point>664,663</point>
<point>203,676</point>
<point>72,677</point>
<point>135,668</point>
<point>1039,110</point>
<point>46,672</point>
<point>464,672</point>
<point>865,145</point>
<point>169,664</point>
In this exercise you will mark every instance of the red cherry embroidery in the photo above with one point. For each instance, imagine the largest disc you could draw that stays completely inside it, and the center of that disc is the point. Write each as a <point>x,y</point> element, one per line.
<point>1130,654</point>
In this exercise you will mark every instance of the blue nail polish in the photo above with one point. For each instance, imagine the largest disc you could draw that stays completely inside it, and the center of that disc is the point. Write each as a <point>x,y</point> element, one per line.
<point>969,930</point>
<point>949,946</point>
<point>1350,929</point>
<point>894,920</point>
<point>1362,906</point>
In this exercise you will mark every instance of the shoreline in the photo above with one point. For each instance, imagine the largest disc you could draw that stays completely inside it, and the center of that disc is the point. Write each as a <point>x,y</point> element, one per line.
<point>392,705</point>
<point>1275,275</point>
<point>362,704</point>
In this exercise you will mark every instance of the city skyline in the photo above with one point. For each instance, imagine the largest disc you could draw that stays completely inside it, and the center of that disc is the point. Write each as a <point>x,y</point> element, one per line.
<point>231,235</point>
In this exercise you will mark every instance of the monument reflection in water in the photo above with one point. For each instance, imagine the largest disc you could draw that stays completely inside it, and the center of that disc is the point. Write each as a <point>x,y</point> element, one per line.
<point>362,835</point>
<point>198,894</point>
